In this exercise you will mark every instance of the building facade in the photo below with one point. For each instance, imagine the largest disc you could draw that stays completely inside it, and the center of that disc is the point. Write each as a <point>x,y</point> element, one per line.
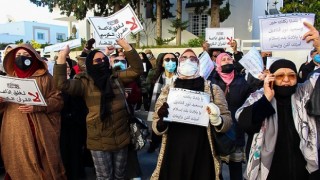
<point>27,31</point>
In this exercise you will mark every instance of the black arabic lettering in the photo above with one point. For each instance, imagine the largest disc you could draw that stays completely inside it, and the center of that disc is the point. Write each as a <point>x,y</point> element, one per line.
<point>117,27</point>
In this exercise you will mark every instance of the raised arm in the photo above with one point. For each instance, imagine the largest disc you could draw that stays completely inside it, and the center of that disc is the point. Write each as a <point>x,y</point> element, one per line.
<point>71,86</point>
<point>135,69</point>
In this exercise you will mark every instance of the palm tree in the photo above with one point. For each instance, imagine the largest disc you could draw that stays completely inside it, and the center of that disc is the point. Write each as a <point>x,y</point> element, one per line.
<point>215,9</point>
<point>179,11</point>
<point>159,20</point>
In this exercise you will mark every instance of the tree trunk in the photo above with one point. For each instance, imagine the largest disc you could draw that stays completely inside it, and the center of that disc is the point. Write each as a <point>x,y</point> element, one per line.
<point>159,19</point>
<point>117,7</point>
<point>138,15</point>
<point>179,11</point>
<point>215,19</point>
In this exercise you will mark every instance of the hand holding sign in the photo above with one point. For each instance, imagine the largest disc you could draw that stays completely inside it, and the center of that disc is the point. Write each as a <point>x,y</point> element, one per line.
<point>124,44</point>
<point>312,35</point>
<point>63,54</point>
<point>25,109</point>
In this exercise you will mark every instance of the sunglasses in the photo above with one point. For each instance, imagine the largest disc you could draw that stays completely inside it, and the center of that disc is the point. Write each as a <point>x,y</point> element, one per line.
<point>170,59</point>
<point>291,77</point>
<point>98,60</point>
<point>118,60</point>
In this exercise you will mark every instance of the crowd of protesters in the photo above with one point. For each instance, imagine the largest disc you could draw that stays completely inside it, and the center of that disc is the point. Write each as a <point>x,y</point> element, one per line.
<point>90,102</point>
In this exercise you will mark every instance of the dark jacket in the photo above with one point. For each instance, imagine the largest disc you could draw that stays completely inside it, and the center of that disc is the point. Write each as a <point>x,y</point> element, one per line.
<point>114,134</point>
<point>239,91</point>
<point>305,70</point>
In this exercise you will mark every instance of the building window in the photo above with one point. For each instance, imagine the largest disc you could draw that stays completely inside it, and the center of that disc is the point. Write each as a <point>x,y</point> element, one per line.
<point>198,24</point>
<point>60,37</point>
<point>40,36</point>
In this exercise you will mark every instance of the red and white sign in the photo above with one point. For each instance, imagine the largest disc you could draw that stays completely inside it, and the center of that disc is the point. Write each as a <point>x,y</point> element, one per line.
<point>21,91</point>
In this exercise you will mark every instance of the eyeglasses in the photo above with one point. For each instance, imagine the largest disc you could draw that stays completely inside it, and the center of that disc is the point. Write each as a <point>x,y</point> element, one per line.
<point>120,60</point>
<point>98,60</point>
<point>170,59</point>
<point>192,58</point>
<point>280,77</point>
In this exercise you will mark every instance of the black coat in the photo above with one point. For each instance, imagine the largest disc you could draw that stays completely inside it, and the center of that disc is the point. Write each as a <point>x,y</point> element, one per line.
<point>239,91</point>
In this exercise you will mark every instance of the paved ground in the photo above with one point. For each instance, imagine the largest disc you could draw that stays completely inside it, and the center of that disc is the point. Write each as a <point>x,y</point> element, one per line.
<point>147,161</point>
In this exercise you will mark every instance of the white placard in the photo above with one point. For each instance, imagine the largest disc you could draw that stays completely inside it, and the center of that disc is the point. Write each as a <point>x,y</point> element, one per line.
<point>271,60</point>
<point>252,62</point>
<point>57,47</point>
<point>187,106</point>
<point>219,37</point>
<point>206,65</point>
<point>21,91</point>
<point>118,25</point>
<point>284,31</point>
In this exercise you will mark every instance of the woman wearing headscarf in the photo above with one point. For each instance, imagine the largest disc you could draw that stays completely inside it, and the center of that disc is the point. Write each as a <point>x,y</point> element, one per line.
<point>187,151</point>
<point>73,131</point>
<point>107,120</point>
<point>166,74</point>
<point>143,83</point>
<point>30,134</point>
<point>285,144</point>
<point>236,90</point>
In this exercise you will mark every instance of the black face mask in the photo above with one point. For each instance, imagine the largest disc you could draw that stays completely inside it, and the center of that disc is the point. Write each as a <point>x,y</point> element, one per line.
<point>227,68</point>
<point>23,62</point>
<point>284,91</point>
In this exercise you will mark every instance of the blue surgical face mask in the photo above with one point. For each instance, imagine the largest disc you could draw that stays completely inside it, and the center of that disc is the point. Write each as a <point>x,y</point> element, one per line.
<point>120,64</point>
<point>316,58</point>
<point>170,66</point>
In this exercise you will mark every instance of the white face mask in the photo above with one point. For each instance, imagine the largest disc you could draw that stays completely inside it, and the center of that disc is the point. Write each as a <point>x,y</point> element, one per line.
<point>188,68</point>
<point>149,56</point>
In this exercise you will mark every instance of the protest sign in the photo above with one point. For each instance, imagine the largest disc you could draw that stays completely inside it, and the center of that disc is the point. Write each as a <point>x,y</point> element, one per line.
<point>252,62</point>
<point>21,91</point>
<point>57,47</point>
<point>271,60</point>
<point>284,31</point>
<point>116,26</point>
<point>219,37</point>
<point>206,65</point>
<point>186,106</point>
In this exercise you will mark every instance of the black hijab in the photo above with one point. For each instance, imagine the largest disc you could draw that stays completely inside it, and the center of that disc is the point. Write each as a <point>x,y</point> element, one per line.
<point>100,73</point>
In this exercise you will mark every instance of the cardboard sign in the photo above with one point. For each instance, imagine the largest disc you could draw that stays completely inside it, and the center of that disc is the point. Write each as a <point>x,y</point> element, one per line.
<point>252,62</point>
<point>21,91</point>
<point>118,25</point>
<point>284,31</point>
<point>187,106</point>
<point>219,37</point>
<point>206,65</point>
<point>57,47</point>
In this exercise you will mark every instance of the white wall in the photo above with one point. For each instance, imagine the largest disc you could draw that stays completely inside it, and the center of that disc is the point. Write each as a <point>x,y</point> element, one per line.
<point>258,9</point>
<point>240,14</point>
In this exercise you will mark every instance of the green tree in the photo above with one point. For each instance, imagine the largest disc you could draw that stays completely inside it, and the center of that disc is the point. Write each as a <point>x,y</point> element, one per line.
<point>80,8</point>
<point>35,44</point>
<point>218,14</point>
<point>303,6</point>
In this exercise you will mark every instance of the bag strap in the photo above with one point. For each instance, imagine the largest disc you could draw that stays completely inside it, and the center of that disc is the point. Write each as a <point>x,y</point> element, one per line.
<point>123,94</point>
<point>211,90</point>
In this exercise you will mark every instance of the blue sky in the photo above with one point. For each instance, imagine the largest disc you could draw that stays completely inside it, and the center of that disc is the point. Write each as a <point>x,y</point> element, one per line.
<point>24,10</point>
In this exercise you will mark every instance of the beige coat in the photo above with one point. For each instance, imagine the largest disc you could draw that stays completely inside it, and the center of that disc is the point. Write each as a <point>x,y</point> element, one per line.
<point>219,100</point>
<point>18,146</point>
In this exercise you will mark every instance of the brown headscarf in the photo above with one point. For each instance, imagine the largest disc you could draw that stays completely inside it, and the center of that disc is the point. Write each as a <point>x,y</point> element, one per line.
<point>9,61</point>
